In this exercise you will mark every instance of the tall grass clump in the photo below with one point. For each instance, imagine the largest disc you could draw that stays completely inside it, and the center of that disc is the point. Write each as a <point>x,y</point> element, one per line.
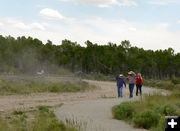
<point>123,111</point>
<point>146,119</point>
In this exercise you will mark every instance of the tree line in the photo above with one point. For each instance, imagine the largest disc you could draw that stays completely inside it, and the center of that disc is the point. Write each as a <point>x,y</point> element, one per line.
<point>28,55</point>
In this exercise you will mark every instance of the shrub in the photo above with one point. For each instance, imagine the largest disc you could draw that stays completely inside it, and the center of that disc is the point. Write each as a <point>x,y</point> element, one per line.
<point>123,111</point>
<point>169,109</point>
<point>146,119</point>
<point>175,81</point>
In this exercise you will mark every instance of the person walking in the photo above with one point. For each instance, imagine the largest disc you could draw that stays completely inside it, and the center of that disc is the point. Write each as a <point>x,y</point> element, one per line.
<point>138,84</point>
<point>120,82</point>
<point>131,80</point>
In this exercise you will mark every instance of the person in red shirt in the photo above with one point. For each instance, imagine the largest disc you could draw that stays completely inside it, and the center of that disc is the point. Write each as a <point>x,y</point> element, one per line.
<point>138,84</point>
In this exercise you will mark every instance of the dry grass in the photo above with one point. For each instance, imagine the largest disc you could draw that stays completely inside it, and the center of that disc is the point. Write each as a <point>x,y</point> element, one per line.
<point>41,118</point>
<point>27,85</point>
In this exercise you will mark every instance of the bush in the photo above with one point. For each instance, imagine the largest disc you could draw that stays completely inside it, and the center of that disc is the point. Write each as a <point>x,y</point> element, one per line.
<point>123,111</point>
<point>168,109</point>
<point>175,81</point>
<point>146,119</point>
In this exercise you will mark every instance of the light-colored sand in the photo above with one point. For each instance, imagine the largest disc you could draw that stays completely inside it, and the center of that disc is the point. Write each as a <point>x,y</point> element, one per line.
<point>95,115</point>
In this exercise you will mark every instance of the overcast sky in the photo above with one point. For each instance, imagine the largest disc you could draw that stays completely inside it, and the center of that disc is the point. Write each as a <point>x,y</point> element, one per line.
<point>151,24</point>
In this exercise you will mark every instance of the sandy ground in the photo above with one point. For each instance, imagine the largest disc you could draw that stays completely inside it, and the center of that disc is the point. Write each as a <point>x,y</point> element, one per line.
<point>95,115</point>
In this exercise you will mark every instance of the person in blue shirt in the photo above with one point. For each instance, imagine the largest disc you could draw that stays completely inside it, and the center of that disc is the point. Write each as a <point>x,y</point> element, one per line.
<point>120,82</point>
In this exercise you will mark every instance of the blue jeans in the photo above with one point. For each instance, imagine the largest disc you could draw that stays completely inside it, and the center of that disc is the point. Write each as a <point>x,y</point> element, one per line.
<point>131,88</point>
<point>120,91</point>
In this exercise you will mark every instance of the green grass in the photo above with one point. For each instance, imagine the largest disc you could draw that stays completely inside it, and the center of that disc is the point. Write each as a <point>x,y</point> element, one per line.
<point>40,119</point>
<point>19,85</point>
<point>149,112</point>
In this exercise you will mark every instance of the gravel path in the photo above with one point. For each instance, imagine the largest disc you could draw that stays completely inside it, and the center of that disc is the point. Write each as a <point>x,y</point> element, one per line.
<point>95,115</point>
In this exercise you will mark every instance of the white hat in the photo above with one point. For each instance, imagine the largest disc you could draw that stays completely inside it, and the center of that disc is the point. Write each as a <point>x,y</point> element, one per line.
<point>121,75</point>
<point>131,72</point>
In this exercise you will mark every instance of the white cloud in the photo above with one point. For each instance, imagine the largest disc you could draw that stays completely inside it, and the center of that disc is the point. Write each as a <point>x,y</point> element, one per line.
<point>51,14</point>
<point>22,26</point>
<point>37,26</point>
<point>1,24</point>
<point>132,29</point>
<point>163,2</point>
<point>106,3</point>
<point>99,31</point>
<point>45,24</point>
<point>32,26</point>
<point>178,21</point>
<point>102,31</point>
<point>19,24</point>
<point>11,20</point>
<point>162,26</point>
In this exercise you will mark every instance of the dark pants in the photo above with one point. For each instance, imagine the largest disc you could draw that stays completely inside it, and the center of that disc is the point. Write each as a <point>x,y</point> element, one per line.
<point>131,88</point>
<point>138,88</point>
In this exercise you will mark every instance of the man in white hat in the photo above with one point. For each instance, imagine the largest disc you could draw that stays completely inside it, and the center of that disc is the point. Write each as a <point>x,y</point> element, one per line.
<point>120,82</point>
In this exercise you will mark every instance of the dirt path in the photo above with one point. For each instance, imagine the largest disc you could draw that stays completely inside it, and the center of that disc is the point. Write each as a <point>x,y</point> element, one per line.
<point>95,115</point>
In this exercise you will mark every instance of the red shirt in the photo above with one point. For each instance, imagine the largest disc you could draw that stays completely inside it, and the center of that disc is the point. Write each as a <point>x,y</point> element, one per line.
<point>138,81</point>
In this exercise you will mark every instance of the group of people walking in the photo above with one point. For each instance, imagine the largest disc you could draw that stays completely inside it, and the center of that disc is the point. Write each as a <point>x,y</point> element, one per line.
<point>133,80</point>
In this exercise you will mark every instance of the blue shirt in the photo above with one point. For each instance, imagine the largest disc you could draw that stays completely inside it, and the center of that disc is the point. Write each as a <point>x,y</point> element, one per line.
<point>120,81</point>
